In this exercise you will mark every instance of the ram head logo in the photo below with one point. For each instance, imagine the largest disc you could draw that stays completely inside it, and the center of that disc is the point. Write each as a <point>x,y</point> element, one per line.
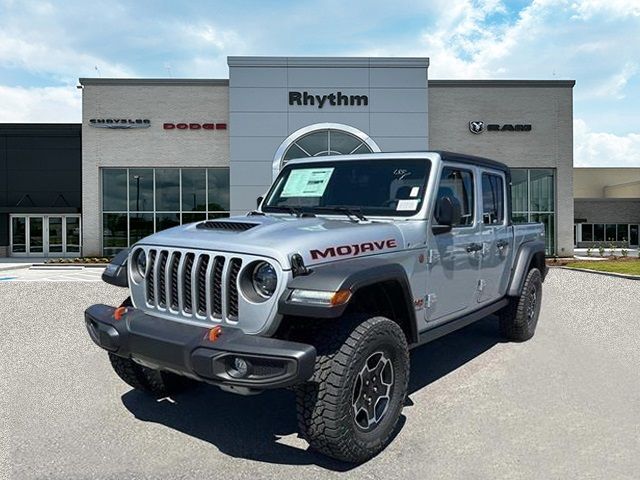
<point>476,127</point>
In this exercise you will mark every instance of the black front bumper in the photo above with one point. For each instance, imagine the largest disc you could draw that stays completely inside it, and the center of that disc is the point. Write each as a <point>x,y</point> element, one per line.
<point>186,349</point>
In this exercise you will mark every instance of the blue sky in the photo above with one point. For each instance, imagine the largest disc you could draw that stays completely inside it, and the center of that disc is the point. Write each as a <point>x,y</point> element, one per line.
<point>46,45</point>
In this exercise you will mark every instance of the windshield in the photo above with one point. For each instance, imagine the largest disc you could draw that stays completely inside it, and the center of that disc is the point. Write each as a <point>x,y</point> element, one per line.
<point>390,187</point>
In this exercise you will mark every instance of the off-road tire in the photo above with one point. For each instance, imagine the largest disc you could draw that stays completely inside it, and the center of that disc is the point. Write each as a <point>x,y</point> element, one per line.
<point>519,319</point>
<point>148,380</point>
<point>324,404</point>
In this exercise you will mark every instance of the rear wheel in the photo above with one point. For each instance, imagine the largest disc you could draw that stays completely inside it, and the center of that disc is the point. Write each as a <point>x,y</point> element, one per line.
<point>519,319</point>
<point>350,408</point>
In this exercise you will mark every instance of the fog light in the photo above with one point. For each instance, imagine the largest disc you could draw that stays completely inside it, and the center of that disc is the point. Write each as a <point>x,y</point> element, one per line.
<point>240,368</point>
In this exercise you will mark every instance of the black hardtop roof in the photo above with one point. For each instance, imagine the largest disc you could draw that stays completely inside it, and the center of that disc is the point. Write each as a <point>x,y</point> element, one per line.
<point>472,160</point>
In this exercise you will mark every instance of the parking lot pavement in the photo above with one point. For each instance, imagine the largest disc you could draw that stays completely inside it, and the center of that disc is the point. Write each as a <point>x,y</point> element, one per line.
<point>53,274</point>
<point>565,405</point>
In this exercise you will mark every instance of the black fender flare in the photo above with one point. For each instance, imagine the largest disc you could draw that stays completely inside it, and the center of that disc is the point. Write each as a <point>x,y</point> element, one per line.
<point>533,251</point>
<point>353,275</point>
<point>116,272</point>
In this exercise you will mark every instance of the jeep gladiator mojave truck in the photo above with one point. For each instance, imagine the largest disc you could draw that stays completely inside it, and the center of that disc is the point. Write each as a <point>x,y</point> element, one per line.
<point>348,263</point>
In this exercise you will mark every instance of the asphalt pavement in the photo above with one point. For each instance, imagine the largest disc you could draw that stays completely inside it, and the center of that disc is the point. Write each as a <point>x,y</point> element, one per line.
<point>565,405</point>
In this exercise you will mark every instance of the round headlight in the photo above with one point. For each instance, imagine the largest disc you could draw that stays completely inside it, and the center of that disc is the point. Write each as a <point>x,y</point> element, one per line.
<point>140,262</point>
<point>264,279</point>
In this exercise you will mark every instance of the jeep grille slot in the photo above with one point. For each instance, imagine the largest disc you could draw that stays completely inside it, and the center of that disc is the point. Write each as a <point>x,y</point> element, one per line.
<point>186,289</point>
<point>216,280</point>
<point>203,263</point>
<point>225,225</point>
<point>173,280</point>
<point>234,268</point>
<point>162,277</point>
<point>150,284</point>
<point>199,285</point>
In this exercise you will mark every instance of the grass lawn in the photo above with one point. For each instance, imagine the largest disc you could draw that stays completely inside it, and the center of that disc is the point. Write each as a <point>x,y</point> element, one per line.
<point>630,266</point>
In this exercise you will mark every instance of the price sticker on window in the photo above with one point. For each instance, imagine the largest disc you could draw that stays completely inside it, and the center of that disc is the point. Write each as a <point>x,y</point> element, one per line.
<point>307,182</point>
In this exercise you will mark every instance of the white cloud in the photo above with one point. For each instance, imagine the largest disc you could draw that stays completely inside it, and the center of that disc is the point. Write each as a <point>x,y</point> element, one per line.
<point>600,149</point>
<point>40,105</point>
<point>614,85</point>
<point>587,9</point>
<point>39,56</point>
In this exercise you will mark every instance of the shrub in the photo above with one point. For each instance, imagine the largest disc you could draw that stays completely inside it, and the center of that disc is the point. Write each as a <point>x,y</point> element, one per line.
<point>601,249</point>
<point>589,252</point>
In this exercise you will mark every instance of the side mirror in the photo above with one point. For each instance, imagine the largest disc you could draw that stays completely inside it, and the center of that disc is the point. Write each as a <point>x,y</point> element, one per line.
<point>447,213</point>
<point>259,201</point>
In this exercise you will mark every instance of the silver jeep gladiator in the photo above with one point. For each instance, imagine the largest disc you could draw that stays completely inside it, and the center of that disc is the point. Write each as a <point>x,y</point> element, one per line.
<point>348,262</point>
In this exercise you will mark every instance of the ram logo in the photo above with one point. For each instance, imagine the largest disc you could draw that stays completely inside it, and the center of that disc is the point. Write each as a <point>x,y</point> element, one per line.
<point>476,127</point>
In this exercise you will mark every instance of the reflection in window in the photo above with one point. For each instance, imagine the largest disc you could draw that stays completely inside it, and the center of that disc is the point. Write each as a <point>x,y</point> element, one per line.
<point>194,190</point>
<point>492,199</point>
<point>140,201</point>
<point>532,195</point>
<point>458,184</point>
<point>114,190</point>
<point>325,142</point>
<point>141,190</point>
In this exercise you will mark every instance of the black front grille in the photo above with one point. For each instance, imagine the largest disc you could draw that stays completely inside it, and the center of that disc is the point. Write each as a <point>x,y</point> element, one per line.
<point>234,268</point>
<point>193,284</point>
<point>226,225</point>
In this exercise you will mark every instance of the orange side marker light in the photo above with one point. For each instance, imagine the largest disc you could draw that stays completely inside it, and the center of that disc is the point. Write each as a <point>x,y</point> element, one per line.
<point>214,333</point>
<point>119,312</point>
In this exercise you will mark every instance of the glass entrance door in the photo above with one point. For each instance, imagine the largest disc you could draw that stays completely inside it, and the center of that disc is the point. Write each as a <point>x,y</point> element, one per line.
<point>45,235</point>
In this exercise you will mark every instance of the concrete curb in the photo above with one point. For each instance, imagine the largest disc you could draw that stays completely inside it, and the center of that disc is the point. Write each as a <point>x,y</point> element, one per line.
<point>20,266</point>
<point>608,274</point>
<point>44,266</point>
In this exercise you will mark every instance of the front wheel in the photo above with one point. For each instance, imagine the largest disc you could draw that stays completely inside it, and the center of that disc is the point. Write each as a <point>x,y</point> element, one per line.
<point>351,406</point>
<point>519,319</point>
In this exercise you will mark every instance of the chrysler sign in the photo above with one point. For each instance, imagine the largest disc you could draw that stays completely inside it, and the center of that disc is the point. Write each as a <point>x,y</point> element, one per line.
<point>120,123</point>
<point>479,127</point>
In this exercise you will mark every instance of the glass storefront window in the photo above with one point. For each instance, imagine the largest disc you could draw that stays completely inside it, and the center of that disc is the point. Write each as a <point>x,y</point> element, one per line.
<point>19,234</point>
<point>114,232</point>
<point>140,226</point>
<point>218,179</point>
<point>168,189</point>
<point>140,201</point>
<point>73,234</point>
<point>141,190</point>
<point>325,142</point>
<point>533,199</point>
<point>610,232</point>
<point>194,190</point>
<point>587,232</point>
<point>114,190</point>
<point>598,232</point>
<point>623,232</point>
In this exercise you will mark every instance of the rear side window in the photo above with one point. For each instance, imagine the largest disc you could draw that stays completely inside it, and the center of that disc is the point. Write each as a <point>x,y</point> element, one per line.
<point>458,183</point>
<point>492,199</point>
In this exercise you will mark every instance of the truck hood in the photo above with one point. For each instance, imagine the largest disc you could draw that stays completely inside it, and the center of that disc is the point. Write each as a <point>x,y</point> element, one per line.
<point>316,239</point>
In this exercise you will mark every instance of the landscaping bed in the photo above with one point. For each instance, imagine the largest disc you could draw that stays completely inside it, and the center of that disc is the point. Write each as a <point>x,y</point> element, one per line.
<point>626,266</point>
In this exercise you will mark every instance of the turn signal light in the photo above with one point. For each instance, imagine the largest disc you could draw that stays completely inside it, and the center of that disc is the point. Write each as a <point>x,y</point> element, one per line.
<point>214,333</point>
<point>119,312</point>
<point>340,297</point>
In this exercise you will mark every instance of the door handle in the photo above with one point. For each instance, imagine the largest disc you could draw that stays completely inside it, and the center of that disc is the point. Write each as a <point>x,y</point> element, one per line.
<point>502,244</point>
<point>474,247</point>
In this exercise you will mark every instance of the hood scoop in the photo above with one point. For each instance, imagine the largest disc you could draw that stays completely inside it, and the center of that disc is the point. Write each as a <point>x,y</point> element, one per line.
<point>226,225</point>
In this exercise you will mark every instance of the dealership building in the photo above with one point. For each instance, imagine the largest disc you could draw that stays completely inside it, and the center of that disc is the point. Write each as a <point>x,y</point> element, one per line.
<point>154,153</point>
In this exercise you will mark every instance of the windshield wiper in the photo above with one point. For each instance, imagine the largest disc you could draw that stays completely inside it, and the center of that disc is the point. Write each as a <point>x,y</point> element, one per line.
<point>349,212</point>
<point>291,210</point>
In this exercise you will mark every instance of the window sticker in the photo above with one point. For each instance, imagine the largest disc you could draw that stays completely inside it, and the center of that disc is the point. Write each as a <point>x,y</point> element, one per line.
<point>414,192</point>
<point>307,182</point>
<point>407,205</point>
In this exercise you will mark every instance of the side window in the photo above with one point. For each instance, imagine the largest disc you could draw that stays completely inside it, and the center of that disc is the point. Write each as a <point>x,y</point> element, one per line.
<point>492,199</point>
<point>458,183</point>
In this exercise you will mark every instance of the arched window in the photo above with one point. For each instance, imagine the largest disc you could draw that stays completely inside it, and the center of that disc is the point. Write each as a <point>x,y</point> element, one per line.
<point>323,139</point>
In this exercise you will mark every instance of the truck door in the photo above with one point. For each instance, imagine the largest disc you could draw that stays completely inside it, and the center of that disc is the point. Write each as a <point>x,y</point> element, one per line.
<point>496,238</point>
<point>454,257</point>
